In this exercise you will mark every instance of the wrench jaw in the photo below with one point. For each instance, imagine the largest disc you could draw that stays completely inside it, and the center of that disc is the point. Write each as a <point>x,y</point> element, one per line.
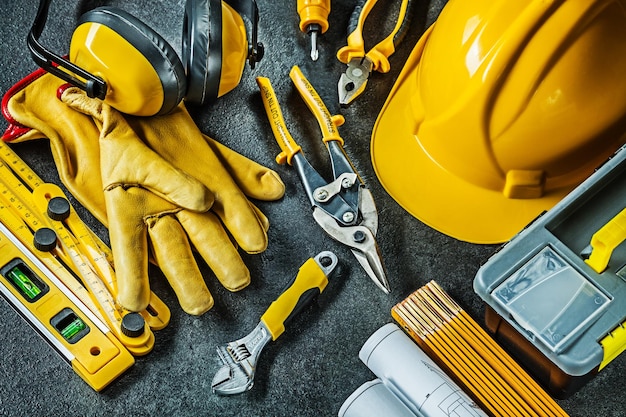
<point>232,378</point>
<point>239,359</point>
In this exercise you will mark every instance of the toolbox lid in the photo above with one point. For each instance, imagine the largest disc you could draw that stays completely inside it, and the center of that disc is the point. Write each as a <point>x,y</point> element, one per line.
<point>549,299</point>
<point>542,286</point>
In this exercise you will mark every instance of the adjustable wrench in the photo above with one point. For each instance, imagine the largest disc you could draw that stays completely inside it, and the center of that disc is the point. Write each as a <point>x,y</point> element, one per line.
<point>240,357</point>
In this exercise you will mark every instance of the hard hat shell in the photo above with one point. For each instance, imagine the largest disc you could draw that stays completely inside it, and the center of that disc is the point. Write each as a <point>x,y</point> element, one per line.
<point>501,109</point>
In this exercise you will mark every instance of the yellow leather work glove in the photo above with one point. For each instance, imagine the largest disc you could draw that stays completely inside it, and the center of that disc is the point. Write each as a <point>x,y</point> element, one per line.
<point>159,176</point>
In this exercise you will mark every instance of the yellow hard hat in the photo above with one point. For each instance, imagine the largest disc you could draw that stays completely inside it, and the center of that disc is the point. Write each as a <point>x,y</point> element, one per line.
<point>501,109</point>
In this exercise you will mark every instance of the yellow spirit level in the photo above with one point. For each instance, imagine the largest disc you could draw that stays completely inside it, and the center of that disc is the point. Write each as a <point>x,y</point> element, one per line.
<point>68,326</point>
<point>66,265</point>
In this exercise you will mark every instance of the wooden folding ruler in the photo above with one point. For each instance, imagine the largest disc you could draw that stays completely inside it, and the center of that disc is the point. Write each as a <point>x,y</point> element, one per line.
<point>59,276</point>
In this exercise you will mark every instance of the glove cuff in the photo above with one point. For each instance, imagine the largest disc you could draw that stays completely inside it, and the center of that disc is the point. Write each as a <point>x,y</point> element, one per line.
<point>15,131</point>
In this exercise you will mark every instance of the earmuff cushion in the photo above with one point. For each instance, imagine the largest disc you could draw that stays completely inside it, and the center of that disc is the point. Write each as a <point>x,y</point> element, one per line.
<point>202,49</point>
<point>151,45</point>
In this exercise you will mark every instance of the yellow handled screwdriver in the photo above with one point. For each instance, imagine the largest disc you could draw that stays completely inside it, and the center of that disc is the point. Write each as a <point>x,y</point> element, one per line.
<point>313,20</point>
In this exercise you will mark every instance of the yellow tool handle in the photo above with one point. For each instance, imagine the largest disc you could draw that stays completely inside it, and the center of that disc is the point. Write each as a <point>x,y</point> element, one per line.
<point>356,46</point>
<point>286,142</point>
<point>380,53</point>
<point>605,240</point>
<point>310,282</point>
<point>313,12</point>
<point>328,123</point>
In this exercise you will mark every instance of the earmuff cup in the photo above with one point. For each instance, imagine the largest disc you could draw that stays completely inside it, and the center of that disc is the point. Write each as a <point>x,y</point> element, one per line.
<point>149,44</point>
<point>119,59</point>
<point>202,49</point>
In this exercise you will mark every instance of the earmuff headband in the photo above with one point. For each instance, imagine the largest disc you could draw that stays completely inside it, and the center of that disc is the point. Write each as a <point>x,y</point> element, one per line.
<point>57,65</point>
<point>249,9</point>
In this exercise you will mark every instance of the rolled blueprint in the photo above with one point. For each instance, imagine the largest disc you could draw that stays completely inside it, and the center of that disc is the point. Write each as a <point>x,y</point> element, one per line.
<point>413,377</point>
<point>374,399</point>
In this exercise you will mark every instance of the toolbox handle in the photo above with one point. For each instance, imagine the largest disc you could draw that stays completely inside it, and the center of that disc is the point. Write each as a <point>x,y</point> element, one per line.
<point>604,242</point>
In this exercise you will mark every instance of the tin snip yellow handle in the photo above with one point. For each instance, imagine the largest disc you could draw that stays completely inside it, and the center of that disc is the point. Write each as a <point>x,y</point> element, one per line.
<point>239,358</point>
<point>321,194</point>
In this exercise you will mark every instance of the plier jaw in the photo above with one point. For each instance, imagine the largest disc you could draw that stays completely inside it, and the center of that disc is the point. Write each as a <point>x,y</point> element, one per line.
<point>353,81</point>
<point>360,62</point>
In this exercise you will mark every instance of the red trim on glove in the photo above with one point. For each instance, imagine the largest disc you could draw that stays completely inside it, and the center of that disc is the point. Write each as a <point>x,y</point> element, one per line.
<point>16,129</point>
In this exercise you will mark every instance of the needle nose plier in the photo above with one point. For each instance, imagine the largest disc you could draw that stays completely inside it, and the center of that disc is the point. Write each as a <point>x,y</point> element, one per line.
<point>360,64</point>
<point>344,208</point>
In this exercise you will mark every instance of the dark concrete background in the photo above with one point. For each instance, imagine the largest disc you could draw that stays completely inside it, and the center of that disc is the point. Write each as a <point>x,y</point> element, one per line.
<point>314,366</point>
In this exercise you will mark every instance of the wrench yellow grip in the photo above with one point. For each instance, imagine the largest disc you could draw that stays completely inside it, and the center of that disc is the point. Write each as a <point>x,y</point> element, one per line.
<point>310,282</point>
<point>286,142</point>
<point>328,123</point>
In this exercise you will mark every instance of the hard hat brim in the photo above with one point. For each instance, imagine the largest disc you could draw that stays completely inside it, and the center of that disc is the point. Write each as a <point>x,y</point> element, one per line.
<point>427,191</point>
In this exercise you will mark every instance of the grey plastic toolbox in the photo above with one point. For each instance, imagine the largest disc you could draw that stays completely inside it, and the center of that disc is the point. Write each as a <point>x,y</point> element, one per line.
<point>545,304</point>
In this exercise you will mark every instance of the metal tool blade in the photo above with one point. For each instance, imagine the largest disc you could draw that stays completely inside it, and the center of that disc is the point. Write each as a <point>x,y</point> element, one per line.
<point>239,360</point>
<point>362,242</point>
<point>352,82</point>
<point>374,269</point>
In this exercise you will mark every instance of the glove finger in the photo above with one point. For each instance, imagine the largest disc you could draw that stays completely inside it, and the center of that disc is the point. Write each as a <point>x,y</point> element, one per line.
<point>263,220</point>
<point>214,245</point>
<point>173,254</point>
<point>254,179</point>
<point>130,248</point>
<point>130,163</point>
<point>177,139</point>
<point>241,219</point>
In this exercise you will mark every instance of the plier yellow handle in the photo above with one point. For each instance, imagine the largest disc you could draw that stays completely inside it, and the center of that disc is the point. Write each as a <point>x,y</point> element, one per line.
<point>361,63</point>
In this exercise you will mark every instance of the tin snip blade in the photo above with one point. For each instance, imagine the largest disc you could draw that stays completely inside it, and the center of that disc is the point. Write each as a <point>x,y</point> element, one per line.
<point>344,208</point>
<point>239,358</point>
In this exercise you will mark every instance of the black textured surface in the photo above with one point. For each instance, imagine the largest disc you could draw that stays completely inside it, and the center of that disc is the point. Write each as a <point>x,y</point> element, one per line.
<point>314,366</point>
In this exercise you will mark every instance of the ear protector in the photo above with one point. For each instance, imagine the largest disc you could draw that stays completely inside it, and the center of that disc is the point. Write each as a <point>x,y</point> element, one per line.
<point>116,57</point>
